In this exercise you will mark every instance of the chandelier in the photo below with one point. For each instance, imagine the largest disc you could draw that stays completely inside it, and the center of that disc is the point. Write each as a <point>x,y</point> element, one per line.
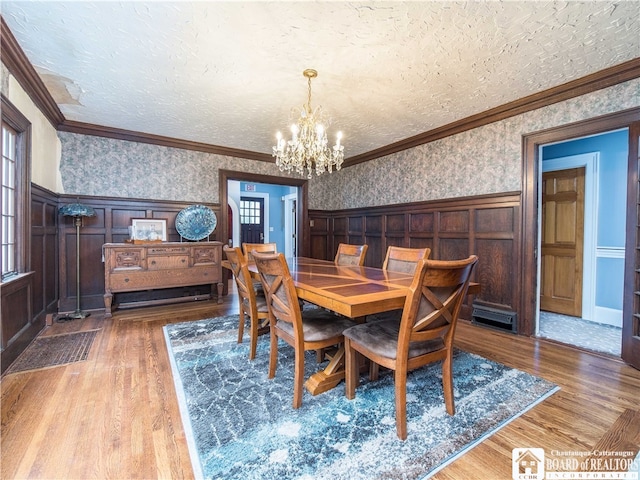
<point>307,149</point>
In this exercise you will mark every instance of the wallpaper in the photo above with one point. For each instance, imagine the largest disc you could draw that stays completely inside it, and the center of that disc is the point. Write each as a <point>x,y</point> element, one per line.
<point>117,168</point>
<point>484,160</point>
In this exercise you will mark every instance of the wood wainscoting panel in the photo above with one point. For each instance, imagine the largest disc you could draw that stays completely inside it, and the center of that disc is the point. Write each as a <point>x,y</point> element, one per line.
<point>15,302</point>
<point>27,300</point>
<point>494,220</point>
<point>487,226</point>
<point>91,283</point>
<point>121,217</point>
<point>356,225</point>
<point>454,221</point>
<point>452,249</point>
<point>319,234</point>
<point>340,226</point>
<point>373,256</point>
<point>320,225</point>
<point>44,251</point>
<point>495,272</point>
<point>422,222</point>
<point>373,224</point>
<point>396,224</point>
<point>421,242</point>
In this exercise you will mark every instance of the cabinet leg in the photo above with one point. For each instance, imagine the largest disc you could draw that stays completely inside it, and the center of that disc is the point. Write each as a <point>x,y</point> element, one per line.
<point>220,289</point>
<point>107,304</point>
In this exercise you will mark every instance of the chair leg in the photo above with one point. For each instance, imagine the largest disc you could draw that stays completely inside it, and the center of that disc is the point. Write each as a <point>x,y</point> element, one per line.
<point>253,340</point>
<point>298,378</point>
<point>401,404</point>
<point>241,324</point>
<point>447,384</point>
<point>273,353</point>
<point>374,370</point>
<point>351,369</point>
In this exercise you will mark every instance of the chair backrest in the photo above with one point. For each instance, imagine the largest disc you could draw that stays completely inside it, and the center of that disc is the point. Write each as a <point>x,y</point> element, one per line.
<point>350,254</point>
<point>282,299</point>
<point>432,306</point>
<point>404,260</point>
<point>247,248</point>
<point>240,269</point>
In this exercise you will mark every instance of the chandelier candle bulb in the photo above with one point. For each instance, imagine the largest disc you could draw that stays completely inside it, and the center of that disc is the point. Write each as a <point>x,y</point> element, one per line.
<point>307,150</point>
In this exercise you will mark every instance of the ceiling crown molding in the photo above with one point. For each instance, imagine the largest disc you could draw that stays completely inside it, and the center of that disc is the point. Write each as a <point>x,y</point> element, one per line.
<point>18,64</point>
<point>120,134</point>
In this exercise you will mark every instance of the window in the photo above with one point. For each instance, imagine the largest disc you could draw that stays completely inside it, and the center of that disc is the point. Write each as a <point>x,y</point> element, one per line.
<point>250,212</point>
<point>15,191</point>
<point>8,200</point>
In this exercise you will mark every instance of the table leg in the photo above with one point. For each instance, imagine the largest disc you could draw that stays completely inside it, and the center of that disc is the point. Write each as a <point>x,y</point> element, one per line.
<point>328,378</point>
<point>333,373</point>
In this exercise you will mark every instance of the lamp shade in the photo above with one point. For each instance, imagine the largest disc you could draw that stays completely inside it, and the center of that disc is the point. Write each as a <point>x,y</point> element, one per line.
<point>77,210</point>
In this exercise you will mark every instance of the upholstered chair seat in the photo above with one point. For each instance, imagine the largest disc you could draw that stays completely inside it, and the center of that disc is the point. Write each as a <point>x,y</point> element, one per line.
<point>381,338</point>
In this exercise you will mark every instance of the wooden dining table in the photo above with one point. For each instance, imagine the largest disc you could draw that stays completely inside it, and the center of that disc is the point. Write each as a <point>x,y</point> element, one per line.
<point>352,291</point>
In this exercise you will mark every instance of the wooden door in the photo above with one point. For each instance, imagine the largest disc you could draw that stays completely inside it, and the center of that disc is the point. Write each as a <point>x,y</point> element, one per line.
<point>631,305</point>
<point>562,241</point>
<point>251,220</point>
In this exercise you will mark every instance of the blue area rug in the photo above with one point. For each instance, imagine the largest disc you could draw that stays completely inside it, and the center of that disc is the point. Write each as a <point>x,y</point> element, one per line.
<point>240,424</point>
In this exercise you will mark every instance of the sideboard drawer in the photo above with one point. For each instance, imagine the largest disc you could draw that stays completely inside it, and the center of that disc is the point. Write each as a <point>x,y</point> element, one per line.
<point>149,279</point>
<point>126,282</point>
<point>162,250</point>
<point>132,258</point>
<point>206,256</point>
<point>169,262</point>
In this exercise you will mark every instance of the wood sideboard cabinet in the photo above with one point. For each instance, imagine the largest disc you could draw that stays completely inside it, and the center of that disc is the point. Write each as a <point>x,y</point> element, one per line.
<point>134,267</point>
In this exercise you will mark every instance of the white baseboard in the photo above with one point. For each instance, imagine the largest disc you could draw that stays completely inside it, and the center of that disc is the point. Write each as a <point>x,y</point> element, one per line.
<point>608,316</point>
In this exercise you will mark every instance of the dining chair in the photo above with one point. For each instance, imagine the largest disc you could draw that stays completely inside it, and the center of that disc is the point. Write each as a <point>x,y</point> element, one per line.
<point>404,260</point>
<point>424,335</point>
<point>304,330</point>
<point>247,248</point>
<point>251,302</point>
<point>350,254</point>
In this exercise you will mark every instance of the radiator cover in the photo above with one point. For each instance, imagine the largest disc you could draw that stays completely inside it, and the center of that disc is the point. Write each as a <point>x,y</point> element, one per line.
<point>504,320</point>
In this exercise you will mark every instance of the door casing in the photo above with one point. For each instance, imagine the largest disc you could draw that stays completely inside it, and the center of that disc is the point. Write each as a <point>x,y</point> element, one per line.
<point>528,271</point>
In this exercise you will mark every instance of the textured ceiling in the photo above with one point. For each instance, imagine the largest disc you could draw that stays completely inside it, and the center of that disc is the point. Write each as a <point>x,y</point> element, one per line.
<point>228,73</point>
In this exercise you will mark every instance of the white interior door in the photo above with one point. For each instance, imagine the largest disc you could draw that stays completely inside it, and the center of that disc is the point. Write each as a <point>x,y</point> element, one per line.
<point>290,225</point>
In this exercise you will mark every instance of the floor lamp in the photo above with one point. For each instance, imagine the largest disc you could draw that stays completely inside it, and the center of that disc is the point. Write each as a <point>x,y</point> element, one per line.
<point>77,211</point>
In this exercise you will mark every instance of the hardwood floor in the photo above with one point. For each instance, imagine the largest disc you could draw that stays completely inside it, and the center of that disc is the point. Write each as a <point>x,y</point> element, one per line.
<point>116,414</point>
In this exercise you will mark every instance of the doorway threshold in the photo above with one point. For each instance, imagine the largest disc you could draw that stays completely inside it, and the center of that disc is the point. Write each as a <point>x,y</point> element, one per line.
<point>585,334</point>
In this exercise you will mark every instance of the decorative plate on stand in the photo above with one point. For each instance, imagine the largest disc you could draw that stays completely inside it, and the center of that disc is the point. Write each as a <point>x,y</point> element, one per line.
<point>196,222</point>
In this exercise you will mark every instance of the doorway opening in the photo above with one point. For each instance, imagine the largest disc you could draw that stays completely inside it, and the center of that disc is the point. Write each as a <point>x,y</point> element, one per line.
<point>264,214</point>
<point>582,230</point>
<point>272,210</point>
